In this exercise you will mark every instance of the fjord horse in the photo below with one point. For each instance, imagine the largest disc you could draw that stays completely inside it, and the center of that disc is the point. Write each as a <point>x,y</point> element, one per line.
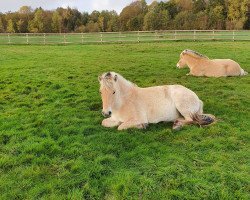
<point>200,65</point>
<point>129,106</point>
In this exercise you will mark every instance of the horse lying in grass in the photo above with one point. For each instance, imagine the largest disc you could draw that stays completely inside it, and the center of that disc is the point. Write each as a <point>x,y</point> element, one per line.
<point>129,106</point>
<point>200,65</point>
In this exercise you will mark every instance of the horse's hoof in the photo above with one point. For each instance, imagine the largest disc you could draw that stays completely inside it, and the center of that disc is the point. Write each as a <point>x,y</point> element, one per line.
<point>177,125</point>
<point>142,126</point>
<point>177,128</point>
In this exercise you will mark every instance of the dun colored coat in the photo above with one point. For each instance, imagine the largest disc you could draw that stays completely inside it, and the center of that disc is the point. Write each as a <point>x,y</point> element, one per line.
<point>200,65</point>
<point>127,105</point>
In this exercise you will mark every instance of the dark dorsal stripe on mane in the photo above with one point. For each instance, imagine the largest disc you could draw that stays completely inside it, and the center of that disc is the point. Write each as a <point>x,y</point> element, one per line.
<point>108,83</point>
<point>108,74</point>
<point>194,53</point>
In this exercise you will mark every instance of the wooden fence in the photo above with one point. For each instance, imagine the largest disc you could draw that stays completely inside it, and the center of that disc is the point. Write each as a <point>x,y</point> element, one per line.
<point>122,37</point>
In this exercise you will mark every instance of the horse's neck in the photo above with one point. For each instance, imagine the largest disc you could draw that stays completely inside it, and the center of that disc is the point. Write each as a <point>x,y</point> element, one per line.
<point>195,62</point>
<point>126,89</point>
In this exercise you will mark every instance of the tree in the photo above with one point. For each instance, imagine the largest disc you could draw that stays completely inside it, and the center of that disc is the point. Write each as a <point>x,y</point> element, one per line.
<point>237,13</point>
<point>85,18</point>
<point>2,29</point>
<point>247,24</point>
<point>113,23</point>
<point>157,18</point>
<point>101,23</point>
<point>25,10</point>
<point>41,22</point>
<point>10,26</point>
<point>216,18</point>
<point>37,24</point>
<point>21,26</point>
<point>168,14</point>
<point>202,20</point>
<point>56,22</point>
<point>184,5</point>
<point>199,5</point>
<point>74,19</point>
<point>131,17</point>
<point>25,14</point>
<point>185,20</point>
<point>170,6</point>
<point>92,27</point>
<point>94,16</point>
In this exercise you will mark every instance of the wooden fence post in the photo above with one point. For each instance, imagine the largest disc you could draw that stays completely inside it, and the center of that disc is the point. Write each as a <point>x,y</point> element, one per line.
<point>82,38</point>
<point>27,38</point>
<point>194,35</point>
<point>8,38</point>
<point>138,36</point>
<point>233,36</point>
<point>44,38</point>
<point>120,36</point>
<point>175,35</point>
<point>101,38</point>
<point>64,38</point>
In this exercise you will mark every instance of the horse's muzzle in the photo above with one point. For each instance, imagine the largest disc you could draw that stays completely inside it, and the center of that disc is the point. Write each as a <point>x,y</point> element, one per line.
<point>106,114</point>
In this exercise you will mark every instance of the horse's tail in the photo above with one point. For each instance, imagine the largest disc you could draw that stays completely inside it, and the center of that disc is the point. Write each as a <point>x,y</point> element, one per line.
<point>243,73</point>
<point>203,119</point>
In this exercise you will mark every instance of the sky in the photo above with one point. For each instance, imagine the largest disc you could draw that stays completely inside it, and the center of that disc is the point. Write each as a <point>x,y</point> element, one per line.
<point>81,5</point>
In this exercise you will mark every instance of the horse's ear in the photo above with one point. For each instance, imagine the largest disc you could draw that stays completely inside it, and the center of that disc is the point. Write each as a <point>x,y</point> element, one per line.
<point>99,78</point>
<point>115,78</point>
<point>185,51</point>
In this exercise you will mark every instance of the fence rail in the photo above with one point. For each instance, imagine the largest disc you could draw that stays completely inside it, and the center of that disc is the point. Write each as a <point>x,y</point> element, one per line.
<point>122,37</point>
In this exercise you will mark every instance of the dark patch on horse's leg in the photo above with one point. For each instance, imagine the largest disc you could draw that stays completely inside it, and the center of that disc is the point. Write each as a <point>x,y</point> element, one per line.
<point>177,125</point>
<point>142,126</point>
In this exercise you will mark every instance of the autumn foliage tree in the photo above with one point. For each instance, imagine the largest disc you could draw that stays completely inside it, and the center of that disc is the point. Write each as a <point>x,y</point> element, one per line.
<point>163,15</point>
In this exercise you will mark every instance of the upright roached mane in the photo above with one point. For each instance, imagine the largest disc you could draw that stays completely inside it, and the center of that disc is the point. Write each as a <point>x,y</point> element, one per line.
<point>128,105</point>
<point>201,65</point>
<point>194,53</point>
<point>107,80</point>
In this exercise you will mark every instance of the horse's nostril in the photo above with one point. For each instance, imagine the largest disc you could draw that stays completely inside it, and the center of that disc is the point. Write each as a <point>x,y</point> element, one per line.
<point>106,114</point>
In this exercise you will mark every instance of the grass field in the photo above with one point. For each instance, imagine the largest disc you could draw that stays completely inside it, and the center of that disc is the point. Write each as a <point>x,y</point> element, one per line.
<point>52,145</point>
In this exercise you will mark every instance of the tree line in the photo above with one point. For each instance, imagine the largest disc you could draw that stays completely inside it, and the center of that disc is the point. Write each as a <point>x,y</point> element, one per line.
<point>164,15</point>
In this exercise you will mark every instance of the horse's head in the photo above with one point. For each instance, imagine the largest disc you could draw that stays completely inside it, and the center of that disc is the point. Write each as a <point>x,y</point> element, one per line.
<point>109,92</point>
<point>182,62</point>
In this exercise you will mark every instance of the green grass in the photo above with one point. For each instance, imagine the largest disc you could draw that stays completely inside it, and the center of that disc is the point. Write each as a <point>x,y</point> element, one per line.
<point>52,145</point>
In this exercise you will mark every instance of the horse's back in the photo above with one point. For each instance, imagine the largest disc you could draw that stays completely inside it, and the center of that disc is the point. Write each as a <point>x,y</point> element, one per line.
<point>226,62</point>
<point>226,67</point>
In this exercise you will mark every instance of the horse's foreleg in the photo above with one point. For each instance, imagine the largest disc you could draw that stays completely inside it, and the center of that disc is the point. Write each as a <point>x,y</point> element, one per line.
<point>132,124</point>
<point>110,122</point>
<point>180,122</point>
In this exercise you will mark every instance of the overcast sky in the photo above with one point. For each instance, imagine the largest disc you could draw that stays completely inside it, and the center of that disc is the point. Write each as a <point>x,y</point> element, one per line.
<point>82,5</point>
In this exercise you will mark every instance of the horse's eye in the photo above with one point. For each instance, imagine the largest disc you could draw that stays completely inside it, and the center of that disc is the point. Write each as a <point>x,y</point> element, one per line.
<point>100,92</point>
<point>114,92</point>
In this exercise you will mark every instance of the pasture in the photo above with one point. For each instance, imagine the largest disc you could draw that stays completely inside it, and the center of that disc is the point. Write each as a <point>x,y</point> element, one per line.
<point>52,145</point>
